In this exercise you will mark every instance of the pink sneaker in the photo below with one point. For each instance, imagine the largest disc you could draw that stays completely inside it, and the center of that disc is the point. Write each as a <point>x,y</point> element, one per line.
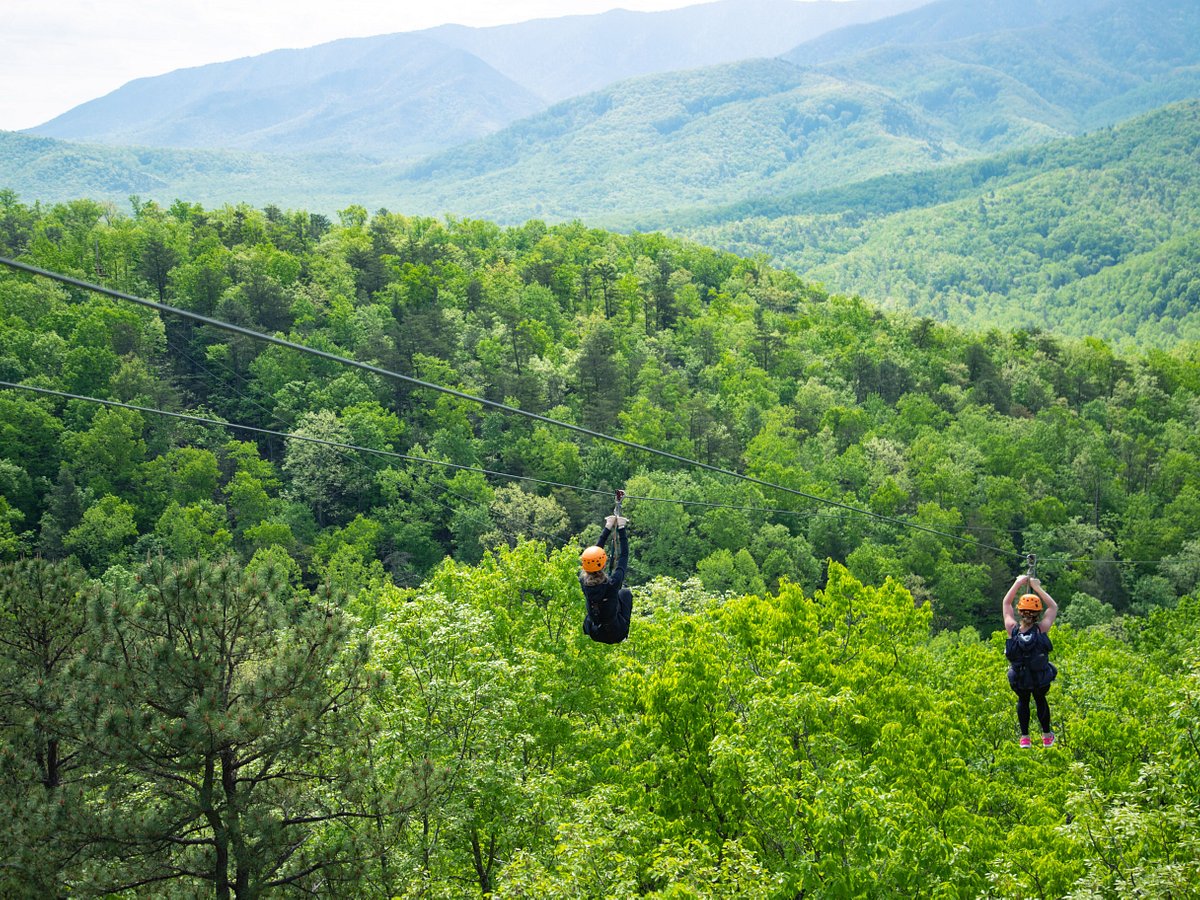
<point>1025,742</point>
<point>1047,740</point>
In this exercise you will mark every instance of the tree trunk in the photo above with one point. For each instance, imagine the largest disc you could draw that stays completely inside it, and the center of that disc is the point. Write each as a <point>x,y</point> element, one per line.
<point>241,863</point>
<point>220,876</point>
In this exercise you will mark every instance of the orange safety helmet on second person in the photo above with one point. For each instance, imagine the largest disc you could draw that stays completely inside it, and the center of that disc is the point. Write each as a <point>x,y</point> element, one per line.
<point>1029,603</point>
<point>593,559</point>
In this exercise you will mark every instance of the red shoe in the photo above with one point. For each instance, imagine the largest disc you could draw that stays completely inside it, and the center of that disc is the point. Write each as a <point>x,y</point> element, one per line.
<point>1025,742</point>
<point>1048,740</point>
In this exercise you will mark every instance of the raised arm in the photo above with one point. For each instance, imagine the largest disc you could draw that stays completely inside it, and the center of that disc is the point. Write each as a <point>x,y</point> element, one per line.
<point>1006,605</point>
<point>617,576</point>
<point>1051,607</point>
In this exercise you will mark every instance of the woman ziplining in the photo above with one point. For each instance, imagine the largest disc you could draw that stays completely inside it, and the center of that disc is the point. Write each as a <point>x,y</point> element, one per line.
<point>609,602</point>
<point>1030,672</point>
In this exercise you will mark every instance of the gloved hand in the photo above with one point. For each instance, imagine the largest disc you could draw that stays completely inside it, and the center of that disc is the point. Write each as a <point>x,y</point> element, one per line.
<point>621,522</point>
<point>610,522</point>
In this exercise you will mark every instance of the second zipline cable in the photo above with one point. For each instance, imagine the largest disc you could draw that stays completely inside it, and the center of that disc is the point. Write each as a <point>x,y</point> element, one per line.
<point>416,382</point>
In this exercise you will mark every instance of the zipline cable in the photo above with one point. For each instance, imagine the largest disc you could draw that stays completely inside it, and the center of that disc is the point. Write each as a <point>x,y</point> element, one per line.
<point>337,445</point>
<point>503,407</point>
<point>340,446</point>
<point>811,514</point>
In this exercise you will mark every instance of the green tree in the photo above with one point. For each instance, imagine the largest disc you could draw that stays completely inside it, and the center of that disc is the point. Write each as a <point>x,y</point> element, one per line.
<point>193,530</point>
<point>43,763</point>
<point>106,529</point>
<point>320,475</point>
<point>235,708</point>
<point>519,515</point>
<point>1084,611</point>
<point>64,511</point>
<point>105,456</point>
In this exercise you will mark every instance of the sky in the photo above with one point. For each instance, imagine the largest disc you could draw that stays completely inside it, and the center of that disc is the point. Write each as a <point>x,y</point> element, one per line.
<point>57,54</point>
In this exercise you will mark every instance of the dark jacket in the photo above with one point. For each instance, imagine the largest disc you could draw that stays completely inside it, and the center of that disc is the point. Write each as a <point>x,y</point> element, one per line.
<point>609,603</point>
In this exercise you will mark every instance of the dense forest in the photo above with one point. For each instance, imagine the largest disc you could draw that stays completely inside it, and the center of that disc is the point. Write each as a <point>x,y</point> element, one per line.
<point>247,661</point>
<point>1093,235</point>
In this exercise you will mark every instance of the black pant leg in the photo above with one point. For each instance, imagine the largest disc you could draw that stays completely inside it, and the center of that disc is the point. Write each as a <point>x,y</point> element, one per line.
<point>1043,709</point>
<point>1023,709</point>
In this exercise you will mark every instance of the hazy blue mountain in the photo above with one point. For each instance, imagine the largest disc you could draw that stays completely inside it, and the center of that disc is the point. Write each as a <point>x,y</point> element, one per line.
<point>935,23</point>
<point>635,150</point>
<point>399,95</point>
<point>644,146</point>
<point>403,96</point>
<point>565,57</point>
<point>1060,64</point>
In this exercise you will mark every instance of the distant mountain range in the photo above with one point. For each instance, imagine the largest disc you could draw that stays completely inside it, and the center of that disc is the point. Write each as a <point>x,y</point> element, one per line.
<point>889,101</point>
<point>942,83</point>
<point>897,157</point>
<point>402,96</point>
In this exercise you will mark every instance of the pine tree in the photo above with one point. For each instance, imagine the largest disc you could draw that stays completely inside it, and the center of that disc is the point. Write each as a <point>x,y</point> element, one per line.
<point>225,709</point>
<point>64,511</point>
<point>41,628</point>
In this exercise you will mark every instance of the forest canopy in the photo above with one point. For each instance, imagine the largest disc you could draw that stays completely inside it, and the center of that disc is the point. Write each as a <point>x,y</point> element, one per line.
<point>810,701</point>
<point>1015,442</point>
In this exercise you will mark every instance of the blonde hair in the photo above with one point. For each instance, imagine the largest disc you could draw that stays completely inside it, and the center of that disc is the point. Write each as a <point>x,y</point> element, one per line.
<point>597,577</point>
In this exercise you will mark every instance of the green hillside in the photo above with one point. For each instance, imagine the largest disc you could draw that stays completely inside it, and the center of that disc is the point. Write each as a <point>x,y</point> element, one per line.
<point>1071,237</point>
<point>54,171</point>
<point>238,662</point>
<point>702,137</point>
<point>943,83</point>
<point>402,96</point>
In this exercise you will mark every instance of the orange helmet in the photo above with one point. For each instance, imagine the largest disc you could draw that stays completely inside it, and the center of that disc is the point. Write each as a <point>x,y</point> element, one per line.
<point>593,559</point>
<point>1030,602</point>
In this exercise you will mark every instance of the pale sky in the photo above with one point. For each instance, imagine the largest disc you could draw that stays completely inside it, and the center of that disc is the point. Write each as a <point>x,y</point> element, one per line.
<point>56,54</point>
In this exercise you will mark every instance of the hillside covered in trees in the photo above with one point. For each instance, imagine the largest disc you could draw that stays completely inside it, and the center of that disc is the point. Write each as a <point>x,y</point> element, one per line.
<point>1087,236</point>
<point>245,661</point>
<point>1014,442</point>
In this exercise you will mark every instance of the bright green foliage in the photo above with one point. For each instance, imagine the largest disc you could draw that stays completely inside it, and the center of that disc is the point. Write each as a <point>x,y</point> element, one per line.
<point>185,475</point>
<point>487,679</point>
<point>763,744</point>
<point>195,531</point>
<point>1016,240</point>
<point>105,455</point>
<point>104,532</point>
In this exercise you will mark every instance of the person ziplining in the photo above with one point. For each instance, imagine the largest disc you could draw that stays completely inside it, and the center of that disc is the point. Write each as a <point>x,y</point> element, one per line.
<point>1030,672</point>
<point>609,603</point>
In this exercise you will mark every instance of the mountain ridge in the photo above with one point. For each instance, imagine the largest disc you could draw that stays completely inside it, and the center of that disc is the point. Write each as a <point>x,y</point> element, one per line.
<point>405,95</point>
